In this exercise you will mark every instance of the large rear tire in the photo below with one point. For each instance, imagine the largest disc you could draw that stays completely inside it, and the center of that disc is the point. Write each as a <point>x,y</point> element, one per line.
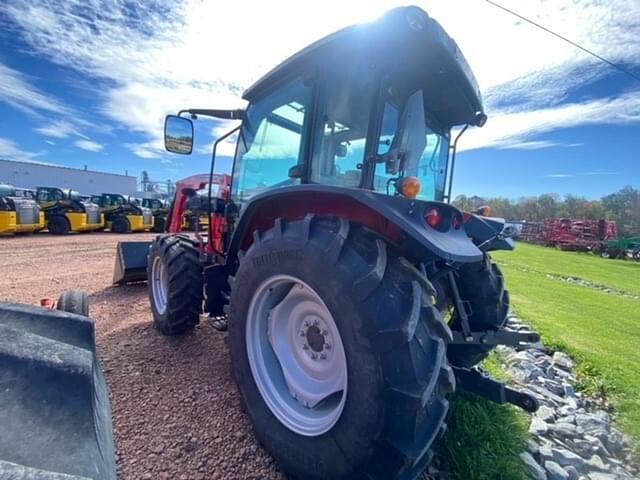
<point>482,286</point>
<point>159,224</point>
<point>316,282</point>
<point>120,225</point>
<point>58,225</point>
<point>175,283</point>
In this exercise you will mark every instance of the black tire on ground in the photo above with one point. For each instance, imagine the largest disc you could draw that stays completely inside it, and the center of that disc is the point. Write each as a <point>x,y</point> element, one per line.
<point>179,256</point>
<point>58,225</point>
<point>394,342</point>
<point>74,301</point>
<point>120,225</point>
<point>159,224</point>
<point>480,284</point>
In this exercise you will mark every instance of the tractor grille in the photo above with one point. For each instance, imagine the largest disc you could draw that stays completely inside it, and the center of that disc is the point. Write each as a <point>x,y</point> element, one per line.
<point>93,214</point>
<point>147,216</point>
<point>28,212</point>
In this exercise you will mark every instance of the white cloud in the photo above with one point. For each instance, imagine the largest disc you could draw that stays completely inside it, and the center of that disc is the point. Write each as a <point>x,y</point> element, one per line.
<point>88,145</point>
<point>173,55</point>
<point>17,91</point>
<point>580,174</point>
<point>10,150</point>
<point>60,129</point>
<point>512,128</point>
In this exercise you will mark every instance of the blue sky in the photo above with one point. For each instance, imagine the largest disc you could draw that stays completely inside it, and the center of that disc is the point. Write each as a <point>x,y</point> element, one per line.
<point>89,82</point>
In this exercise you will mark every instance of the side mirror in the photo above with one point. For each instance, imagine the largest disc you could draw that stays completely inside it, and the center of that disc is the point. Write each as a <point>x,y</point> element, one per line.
<point>178,135</point>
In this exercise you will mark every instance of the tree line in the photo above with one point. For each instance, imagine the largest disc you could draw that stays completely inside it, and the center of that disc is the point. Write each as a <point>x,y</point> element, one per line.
<point>622,206</point>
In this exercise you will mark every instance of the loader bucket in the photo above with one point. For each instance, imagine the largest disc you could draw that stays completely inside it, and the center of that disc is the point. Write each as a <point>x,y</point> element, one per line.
<point>131,262</point>
<point>55,415</point>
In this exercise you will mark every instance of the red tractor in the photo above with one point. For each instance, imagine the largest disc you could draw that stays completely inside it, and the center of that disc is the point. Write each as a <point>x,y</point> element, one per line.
<point>356,298</point>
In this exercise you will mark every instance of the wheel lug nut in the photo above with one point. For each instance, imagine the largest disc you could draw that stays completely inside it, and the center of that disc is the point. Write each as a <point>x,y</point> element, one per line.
<point>314,356</point>
<point>302,334</point>
<point>323,332</point>
<point>327,346</point>
<point>306,323</point>
<point>323,356</point>
<point>316,322</point>
<point>305,347</point>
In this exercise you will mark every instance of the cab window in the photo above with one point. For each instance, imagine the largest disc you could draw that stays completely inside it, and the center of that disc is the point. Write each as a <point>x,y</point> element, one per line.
<point>343,109</point>
<point>271,141</point>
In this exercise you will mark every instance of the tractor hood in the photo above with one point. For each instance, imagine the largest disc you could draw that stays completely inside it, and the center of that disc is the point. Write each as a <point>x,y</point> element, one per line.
<point>405,41</point>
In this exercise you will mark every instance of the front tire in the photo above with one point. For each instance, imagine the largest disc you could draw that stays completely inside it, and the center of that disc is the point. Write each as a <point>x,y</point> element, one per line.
<point>175,283</point>
<point>74,301</point>
<point>480,284</point>
<point>384,417</point>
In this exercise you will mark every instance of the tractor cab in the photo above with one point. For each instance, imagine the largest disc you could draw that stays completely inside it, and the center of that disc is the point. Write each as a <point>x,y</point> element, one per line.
<point>159,210</point>
<point>65,211</point>
<point>369,107</point>
<point>124,214</point>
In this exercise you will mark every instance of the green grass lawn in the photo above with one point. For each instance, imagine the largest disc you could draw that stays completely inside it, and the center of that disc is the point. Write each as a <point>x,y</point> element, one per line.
<point>601,330</point>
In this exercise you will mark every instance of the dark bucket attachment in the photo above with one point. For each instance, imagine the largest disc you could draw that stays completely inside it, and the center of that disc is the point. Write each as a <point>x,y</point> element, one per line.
<point>131,262</point>
<point>55,417</point>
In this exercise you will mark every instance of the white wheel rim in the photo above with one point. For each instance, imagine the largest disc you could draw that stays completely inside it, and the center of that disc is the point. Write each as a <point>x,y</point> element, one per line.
<point>296,355</point>
<point>159,285</point>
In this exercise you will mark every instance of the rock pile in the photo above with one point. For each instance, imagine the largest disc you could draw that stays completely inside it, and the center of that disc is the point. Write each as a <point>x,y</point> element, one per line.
<point>573,436</point>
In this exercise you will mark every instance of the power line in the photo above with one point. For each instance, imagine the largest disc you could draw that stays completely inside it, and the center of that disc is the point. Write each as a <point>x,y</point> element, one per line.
<point>584,49</point>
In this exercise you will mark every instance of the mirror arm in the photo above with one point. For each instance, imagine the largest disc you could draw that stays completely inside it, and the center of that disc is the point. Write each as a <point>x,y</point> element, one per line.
<point>224,114</point>
<point>453,148</point>
<point>213,161</point>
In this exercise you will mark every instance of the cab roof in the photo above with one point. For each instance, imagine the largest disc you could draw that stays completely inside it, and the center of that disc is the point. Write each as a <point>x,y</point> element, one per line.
<point>404,40</point>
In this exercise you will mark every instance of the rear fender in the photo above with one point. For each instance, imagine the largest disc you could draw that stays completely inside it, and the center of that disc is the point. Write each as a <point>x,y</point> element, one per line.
<point>487,232</point>
<point>398,220</point>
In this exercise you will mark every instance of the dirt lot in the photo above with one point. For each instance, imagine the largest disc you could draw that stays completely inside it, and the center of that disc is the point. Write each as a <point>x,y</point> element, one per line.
<point>176,410</point>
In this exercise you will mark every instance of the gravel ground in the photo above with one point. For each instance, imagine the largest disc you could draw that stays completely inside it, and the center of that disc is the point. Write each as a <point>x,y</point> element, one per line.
<point>176,410</point>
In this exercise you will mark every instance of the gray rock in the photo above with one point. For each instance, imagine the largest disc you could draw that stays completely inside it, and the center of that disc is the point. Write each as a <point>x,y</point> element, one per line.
<point>595,463</point>
<point>569,391</point>
<point>553,386</point>
<point>555,471</point>
<point>566,410</point>
<point>538,426</point>
<point>564,430</point>
<point>536,472</point>
<point>546,414</point>
<point>532,447</point>
<point>546,451</point>
<point>520,357</point>
<point>563,361</point>
<point>573,472</point>
<point>568,419</point>
<point>593,425</point>
<point>614,441</point>
<point>565,457</point>
<point>603,416</point>
<point>583,447</point>
<point>598,446</point>
<point>602,476</point>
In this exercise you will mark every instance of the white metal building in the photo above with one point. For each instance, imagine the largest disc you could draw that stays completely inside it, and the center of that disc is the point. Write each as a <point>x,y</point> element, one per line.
<point>87,182</point>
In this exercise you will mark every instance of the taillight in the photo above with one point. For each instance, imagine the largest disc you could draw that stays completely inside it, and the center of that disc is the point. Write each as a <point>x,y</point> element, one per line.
<point>433,217</point>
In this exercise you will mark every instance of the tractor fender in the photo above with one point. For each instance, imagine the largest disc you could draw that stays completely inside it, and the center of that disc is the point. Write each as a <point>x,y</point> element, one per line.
<point>486,231</point>
<point>399,220</point>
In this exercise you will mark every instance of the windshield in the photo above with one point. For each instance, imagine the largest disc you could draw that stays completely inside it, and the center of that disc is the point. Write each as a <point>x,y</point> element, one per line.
<point>429,167</point>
